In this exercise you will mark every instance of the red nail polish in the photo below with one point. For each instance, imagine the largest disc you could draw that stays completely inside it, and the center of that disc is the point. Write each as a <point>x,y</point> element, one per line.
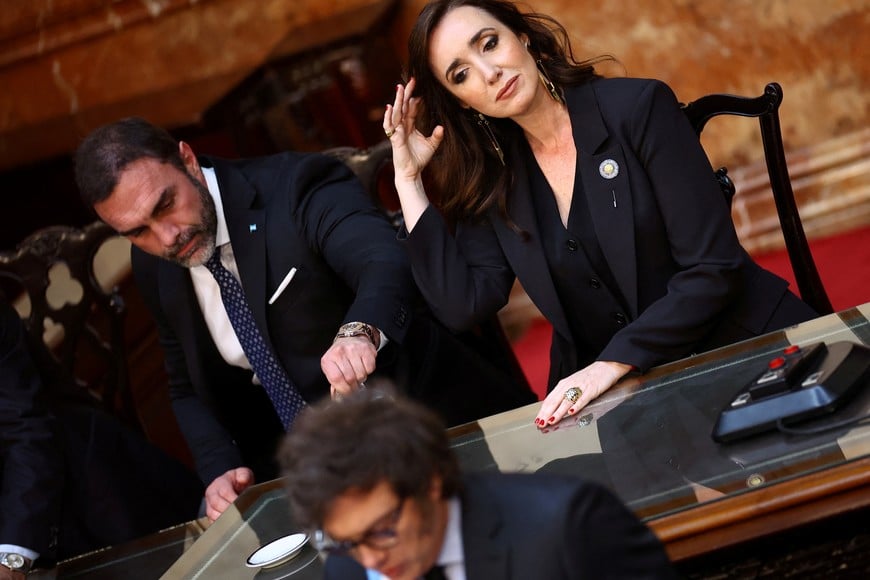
<point>551,420</point>
<point>571,411</point>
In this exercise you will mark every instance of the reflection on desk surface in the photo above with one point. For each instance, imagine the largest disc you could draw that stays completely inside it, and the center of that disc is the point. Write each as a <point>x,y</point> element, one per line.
<point>648,439</point>
<point>259,516</point>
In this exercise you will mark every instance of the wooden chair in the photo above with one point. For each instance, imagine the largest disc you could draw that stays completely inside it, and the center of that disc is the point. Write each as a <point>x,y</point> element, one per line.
<point>766,109</point>
<point>77,344</point>
<point>373,168</point>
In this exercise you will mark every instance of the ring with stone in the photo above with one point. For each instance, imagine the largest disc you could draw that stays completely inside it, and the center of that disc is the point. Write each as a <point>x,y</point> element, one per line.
<point>573,394</point>
<point>389,132</point>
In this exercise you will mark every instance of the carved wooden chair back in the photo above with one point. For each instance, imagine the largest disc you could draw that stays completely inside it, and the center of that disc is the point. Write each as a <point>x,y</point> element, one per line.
<point>373,167</point>
<point>74,325</point>
<point>766,109</point>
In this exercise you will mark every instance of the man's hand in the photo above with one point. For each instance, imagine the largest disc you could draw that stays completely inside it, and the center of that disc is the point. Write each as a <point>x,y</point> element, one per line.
<point>347,364</point>
<point>224,490</point>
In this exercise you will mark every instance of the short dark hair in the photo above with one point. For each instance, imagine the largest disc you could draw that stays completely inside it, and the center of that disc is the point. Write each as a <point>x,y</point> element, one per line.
<point>355,444</point>
<point>104,153</point>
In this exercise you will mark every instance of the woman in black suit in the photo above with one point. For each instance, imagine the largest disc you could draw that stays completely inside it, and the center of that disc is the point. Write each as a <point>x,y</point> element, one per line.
<point>595,193</point>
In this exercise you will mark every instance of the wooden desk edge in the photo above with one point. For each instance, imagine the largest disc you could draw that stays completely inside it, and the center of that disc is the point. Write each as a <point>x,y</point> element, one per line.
<point>760,512</point>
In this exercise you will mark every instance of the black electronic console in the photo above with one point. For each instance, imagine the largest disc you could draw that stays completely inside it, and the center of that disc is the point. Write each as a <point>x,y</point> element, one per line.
<point>800,383</point>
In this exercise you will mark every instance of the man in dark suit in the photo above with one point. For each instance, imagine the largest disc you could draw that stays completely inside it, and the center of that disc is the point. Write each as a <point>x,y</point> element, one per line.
<point>31,468</point>
<point>73,479</point>
<point>326,286</point>
<point>376,477</point>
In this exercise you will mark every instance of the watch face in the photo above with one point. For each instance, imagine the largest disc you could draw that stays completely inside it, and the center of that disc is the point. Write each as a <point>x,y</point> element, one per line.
<point>14,561</point>
<point>353,326</point>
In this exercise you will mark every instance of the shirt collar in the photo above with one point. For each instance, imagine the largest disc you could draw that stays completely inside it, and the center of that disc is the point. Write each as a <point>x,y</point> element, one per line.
<point>451,550</point>
<point>223,235</point>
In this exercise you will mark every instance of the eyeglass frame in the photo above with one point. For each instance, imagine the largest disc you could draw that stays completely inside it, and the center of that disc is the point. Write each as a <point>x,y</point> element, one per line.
<point>374,538</point>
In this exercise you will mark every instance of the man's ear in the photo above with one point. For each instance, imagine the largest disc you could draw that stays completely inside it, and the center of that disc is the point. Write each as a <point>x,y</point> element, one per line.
<point>188,157</point>
<point>435,488</point>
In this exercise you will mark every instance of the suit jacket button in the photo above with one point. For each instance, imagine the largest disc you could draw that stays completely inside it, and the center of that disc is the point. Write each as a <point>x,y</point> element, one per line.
<point>595,283</point>
<point>572,245</point>
<point>620,319</point>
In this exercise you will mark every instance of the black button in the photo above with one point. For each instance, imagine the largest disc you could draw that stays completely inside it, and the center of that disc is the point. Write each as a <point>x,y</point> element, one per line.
<point>572,245</point>
<point>595,283</point>
<point>620,319</point>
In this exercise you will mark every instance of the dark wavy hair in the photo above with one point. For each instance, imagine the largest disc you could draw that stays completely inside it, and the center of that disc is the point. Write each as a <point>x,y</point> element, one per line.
<point>467,171</point>
<point>355,444</point>
<point>104,153</point>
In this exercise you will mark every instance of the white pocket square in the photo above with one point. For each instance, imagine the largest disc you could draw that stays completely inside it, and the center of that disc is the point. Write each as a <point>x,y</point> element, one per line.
<point>283,285</point>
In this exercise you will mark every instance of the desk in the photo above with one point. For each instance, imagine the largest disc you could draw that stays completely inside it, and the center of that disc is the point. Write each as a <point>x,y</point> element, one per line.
<point>648,439</point>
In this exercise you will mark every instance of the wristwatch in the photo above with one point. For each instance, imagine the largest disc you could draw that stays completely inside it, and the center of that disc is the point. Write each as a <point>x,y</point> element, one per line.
<point>15,562</point>
<point>359,329</point>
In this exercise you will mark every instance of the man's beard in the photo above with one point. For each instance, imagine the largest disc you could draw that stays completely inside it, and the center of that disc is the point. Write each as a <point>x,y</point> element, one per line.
<point>206,229</point>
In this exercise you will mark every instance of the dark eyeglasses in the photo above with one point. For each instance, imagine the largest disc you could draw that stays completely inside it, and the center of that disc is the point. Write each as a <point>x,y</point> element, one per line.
<point>381,536</point>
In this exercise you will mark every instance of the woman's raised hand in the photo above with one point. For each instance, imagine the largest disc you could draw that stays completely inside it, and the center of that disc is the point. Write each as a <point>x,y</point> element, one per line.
<point>412,150</point>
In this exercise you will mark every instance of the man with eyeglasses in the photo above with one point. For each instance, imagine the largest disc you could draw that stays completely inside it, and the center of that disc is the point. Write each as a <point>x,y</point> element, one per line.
<point>375,479</point>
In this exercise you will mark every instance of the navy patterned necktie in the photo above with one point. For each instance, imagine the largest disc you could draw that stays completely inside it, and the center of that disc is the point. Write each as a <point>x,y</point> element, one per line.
<point>283,393</point>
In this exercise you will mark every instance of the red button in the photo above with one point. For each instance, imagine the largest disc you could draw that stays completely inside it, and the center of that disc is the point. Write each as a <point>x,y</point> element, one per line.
<point>776,363</point>
<point>792,349</point>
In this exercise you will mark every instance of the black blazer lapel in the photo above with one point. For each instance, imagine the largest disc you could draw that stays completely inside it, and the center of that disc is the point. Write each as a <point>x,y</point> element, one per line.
<point>610,202</point>
<point>179,301</point>
<point>527,258</point>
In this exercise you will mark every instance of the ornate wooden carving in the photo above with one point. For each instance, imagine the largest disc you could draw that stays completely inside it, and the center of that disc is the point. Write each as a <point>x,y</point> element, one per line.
<point>90,351</point>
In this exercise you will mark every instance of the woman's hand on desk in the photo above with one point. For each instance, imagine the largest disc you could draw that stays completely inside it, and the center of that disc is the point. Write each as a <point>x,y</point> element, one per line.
<point>583,386</point>
<point>224,490</point>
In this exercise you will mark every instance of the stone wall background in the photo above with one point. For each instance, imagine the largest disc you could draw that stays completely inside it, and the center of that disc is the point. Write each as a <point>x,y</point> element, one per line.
<point>816,49</point>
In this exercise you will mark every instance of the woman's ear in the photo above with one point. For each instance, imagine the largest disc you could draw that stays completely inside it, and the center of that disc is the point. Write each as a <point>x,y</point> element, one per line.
<point>524,38</point>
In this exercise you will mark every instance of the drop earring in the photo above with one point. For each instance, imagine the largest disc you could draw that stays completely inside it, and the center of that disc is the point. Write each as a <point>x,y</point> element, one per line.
<point>548,84</point>
<point>483,122</point>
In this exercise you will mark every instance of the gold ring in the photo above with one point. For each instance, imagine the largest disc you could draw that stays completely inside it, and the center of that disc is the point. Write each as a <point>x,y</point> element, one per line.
<point>573,394</point>
<point>389,132</point>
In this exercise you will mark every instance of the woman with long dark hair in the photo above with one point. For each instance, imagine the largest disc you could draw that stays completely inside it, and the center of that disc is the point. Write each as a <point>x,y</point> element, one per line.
<point>595,193</point>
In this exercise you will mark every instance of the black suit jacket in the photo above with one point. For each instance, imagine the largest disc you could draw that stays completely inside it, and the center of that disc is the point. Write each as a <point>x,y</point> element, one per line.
<point>518,526</point>
<point>662,223</point>
<point>31,466</point>
<point>305,211</point>
<point>72,478</point>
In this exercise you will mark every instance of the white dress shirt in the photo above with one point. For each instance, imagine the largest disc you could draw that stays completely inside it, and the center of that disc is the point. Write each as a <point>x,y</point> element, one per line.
<point>208,293</point>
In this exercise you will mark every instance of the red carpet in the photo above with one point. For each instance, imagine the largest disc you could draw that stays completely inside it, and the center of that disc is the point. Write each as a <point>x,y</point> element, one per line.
<point>844,266</point>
